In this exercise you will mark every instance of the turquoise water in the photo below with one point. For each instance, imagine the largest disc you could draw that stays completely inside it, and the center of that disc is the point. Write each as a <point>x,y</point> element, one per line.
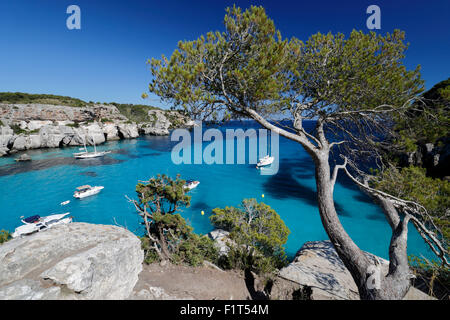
<point>38,187</point>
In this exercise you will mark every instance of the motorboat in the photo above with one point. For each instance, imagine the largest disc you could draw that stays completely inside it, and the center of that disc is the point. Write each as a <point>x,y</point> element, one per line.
<point>191,184</point>
<point>36,223</point>
<point>86,191</point>
<point>65,202</point>
<point>265,161</point>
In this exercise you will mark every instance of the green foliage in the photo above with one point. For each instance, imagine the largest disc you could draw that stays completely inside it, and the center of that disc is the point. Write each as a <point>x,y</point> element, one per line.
<point>184,245</point>
<point>255,75</point>
<point>76,124</point>
<point>411,183</point>
<point>429,121</point>
<point>162,194</point>
<point>168,235</point>
<point>135,112</point>
<point>4,236</point>
<point>24,98</point>
<point>17,130</point>
<point>357,73</point>
<point>250,67</point>
<point>195,250</point>
<point>259,234</point>
<point>435,276</point>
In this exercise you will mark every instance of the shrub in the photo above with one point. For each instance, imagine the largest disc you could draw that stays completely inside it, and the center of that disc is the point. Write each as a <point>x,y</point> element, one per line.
<point>432,275</point>
<point>168,236</point>
<point>259,235</point>
<point>4,236</point>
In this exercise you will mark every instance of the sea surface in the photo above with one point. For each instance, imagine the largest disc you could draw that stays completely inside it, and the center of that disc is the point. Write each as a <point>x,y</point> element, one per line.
<point>39,186</point>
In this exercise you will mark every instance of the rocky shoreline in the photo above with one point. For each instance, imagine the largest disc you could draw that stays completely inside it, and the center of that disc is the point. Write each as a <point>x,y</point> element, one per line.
<point>33,126</point>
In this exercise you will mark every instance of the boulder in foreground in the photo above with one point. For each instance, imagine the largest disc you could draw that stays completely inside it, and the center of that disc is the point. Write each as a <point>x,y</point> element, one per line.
<point>73,261</point>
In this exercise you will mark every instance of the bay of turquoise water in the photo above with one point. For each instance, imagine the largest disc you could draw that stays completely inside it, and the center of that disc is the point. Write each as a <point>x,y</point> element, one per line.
<point>39,186</point>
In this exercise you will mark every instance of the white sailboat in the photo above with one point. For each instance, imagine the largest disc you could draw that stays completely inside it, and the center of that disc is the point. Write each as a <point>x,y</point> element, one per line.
<point>36,224</point>
<point>88,155</point>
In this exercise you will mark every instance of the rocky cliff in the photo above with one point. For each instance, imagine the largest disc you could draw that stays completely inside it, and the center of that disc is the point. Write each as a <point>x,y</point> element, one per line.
<point>318,266</point>
<point>434,157</point>
<point>74,261</point>
<point>32,126</point>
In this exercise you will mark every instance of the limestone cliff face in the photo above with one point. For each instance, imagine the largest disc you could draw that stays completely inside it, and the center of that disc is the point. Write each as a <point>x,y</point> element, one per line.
<point>73,261</point>
<point>32,126</point>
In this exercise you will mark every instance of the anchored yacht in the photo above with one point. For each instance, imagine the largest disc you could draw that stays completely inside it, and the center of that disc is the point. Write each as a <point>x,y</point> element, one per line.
<point>36,224</point>
<point>191,184</point>
<point>86,191</point>
<point>265,161</point>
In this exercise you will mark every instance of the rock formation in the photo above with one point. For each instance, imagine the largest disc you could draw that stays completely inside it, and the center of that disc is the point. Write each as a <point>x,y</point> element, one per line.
<point>318,266</point>
<point>73,261</point>
<point>33,126</point>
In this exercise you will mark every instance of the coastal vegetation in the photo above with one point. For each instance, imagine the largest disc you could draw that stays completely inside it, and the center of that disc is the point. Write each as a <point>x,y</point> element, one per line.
<point>256,240</point>
<point>24,98</point>
<point>355,87</point>
<point>257,235</point>
<point>134,112</point>
<point>427,124</point>
<point>168,237</point>
<point>429,121</point>
<point>4,236</point>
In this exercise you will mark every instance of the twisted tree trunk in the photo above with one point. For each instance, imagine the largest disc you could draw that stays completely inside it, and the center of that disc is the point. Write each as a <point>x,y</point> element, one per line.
<point>371,283</point>
<point>367,274</point>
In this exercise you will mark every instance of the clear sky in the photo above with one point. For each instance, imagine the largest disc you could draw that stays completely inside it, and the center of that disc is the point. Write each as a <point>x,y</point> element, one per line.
<point>105,60</point>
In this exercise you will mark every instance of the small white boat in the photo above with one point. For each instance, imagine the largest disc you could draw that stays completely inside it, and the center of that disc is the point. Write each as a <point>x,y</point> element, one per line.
<point>265,161</point>
<point>65,202</point>
<point>36,223</point>
<point>86,191</point>
<point>191,184</point>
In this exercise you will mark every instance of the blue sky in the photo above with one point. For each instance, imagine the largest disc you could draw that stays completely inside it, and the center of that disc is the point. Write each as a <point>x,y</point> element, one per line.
<point>105,60</point>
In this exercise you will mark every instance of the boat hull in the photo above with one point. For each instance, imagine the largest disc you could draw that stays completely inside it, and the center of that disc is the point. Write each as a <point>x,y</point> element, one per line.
<point>46,223</point>
<point>90,155</point>
<point>88,193</point>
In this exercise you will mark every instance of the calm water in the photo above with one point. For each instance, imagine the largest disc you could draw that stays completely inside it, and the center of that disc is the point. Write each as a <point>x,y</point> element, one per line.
<point>38,187</point>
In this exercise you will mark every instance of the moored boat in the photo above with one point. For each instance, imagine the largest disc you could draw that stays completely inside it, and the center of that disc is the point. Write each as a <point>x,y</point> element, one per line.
<point>89,155</point>
<point>36,223</point>
<point>86,191</point>
<point>265,161</point>
<point>191,184</point>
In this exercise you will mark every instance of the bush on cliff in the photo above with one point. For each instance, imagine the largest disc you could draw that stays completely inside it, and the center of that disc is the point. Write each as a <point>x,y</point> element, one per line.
<point>259,235</point>
<point>4,236</point>
<point>168,237</point>
<point>23,98</point>
<point>135,112</point>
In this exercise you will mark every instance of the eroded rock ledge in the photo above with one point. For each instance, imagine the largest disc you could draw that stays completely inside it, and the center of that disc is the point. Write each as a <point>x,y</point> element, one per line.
<point>74,261</point>
<point>33,126</point>
<point>317,265</point>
